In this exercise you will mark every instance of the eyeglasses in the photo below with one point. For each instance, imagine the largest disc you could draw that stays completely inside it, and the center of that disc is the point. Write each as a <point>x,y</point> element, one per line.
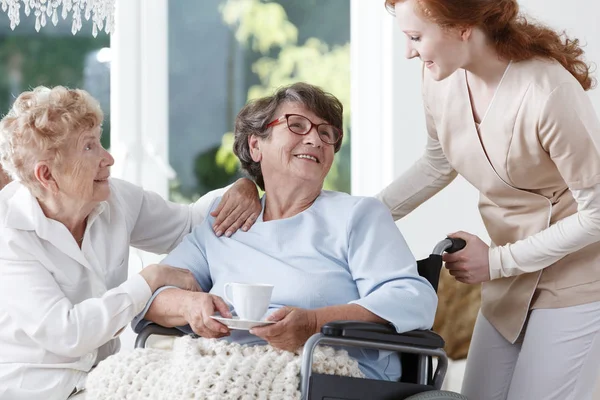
<point>301,125</point>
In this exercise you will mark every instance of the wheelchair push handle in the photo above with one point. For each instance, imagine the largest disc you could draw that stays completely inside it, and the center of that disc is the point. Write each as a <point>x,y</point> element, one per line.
<point>457,245</point>
<point>449,245</point>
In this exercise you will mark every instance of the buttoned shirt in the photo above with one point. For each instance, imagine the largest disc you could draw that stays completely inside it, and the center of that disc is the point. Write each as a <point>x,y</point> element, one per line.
<point>62,306</point>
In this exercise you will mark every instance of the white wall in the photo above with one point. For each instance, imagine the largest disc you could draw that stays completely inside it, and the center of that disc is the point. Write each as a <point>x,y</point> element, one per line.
<point>388,126</point>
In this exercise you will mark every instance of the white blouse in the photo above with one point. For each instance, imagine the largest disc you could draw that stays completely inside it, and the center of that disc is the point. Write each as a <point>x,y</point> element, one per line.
<point>62,307</point>
<point>433,172</point>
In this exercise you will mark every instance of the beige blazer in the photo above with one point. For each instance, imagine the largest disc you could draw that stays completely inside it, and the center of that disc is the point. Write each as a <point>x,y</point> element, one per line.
<point>540,136</point>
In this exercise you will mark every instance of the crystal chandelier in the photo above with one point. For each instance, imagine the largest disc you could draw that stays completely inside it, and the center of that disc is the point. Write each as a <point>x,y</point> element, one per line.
<point>102,12</point>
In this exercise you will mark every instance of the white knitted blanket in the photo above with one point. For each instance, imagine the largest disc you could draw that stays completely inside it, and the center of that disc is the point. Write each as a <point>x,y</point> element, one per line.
<point>210,369</point>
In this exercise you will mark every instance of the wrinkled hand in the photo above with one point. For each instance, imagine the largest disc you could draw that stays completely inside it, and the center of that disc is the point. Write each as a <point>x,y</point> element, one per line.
<point>158,275</point>
<point>294,327</point>
<point>198,308</point>
<point>471,264</point>
<point>240,205</point>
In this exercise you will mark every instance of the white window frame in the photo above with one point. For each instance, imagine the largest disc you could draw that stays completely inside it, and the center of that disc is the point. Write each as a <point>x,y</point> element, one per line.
<point>140,94</point>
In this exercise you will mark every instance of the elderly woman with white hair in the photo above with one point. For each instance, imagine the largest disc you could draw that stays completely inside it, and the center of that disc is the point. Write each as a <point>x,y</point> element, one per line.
<point>65,232</point>
<point>330,256</point>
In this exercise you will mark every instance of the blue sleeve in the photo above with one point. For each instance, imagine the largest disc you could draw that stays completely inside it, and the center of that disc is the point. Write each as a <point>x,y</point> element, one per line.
<point>190,254</point>
<point>385,270</point>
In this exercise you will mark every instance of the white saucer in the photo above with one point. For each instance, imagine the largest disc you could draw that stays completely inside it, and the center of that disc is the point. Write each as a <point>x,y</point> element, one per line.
<point>241,324</point>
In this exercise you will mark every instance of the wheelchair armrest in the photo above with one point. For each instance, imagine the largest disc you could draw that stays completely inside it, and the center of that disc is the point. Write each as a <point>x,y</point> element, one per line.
<point>382,333</point>
<point>155,329</point>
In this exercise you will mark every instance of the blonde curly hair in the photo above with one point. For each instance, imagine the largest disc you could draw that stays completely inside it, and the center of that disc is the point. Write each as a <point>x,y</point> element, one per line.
<point>38,127</point>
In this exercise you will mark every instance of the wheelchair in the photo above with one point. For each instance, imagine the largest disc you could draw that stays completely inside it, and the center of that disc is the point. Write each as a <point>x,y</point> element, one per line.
<point>417,350</point>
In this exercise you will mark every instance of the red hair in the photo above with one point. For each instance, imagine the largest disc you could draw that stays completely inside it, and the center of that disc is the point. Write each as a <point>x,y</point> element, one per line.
<point>513,37</point>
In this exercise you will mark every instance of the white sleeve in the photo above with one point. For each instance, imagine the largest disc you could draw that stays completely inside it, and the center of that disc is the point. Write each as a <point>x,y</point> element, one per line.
<point>553,243</point>
<point>158,225</point>
<point>35,302</point>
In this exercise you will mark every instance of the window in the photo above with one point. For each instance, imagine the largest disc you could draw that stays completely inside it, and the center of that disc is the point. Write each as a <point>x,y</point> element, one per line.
<point>54,57</point>
<point>224,52</point>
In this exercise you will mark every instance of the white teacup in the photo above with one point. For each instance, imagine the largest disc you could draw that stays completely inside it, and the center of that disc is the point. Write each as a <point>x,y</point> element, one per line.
<point>250,301</point>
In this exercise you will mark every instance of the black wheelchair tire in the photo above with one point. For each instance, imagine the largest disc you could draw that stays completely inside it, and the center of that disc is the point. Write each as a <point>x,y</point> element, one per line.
<point>437,395</point>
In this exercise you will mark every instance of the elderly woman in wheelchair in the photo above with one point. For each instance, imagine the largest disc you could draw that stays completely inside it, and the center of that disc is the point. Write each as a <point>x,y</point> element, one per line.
<point>329,256</point>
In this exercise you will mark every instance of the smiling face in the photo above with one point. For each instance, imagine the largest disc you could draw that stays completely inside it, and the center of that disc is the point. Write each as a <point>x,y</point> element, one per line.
<point>443,51</point>
<point>285,156</point>
<point>84,169</point>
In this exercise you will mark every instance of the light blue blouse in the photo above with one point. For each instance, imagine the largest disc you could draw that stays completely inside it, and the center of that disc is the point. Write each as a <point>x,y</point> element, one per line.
<point>342,250</point>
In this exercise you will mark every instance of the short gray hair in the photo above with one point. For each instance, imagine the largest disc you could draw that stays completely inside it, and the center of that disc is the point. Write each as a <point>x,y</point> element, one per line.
<point>257,114</point>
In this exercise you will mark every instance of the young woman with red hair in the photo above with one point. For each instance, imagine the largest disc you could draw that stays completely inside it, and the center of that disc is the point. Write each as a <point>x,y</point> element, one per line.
<point>506,108</point>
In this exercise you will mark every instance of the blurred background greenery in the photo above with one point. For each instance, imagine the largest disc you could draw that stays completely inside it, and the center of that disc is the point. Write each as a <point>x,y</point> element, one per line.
<point>264,27</point>
<point>30,60</point>
<point>222,53</point>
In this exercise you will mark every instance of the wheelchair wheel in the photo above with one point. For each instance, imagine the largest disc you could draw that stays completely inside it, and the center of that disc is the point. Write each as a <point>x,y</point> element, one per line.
<point>437,395</point>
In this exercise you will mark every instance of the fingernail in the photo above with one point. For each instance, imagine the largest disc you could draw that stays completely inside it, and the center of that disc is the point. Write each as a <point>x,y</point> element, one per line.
<point>251,331</point>
<point>219,233</point>
<point>228,233</point>
<point>245,228</point>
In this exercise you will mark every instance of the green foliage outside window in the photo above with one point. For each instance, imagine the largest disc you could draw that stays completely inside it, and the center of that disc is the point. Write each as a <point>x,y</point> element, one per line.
<point>263,26</point>
<point>27,61</point>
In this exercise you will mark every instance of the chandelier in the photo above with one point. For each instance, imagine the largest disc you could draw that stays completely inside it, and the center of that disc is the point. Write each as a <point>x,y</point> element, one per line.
<point>102,13</point>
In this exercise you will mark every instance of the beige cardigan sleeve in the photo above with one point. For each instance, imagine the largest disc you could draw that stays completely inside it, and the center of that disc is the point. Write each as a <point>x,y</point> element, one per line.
<point>569,130</point>
<point>550,245</point>
<point>430,174</point>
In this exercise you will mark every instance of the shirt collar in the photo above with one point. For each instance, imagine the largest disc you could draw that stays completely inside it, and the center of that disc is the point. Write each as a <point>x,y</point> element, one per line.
<point>24,211</point>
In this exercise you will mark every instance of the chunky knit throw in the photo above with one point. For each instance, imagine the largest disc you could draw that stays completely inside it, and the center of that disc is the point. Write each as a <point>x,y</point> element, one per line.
<point>210,369</point>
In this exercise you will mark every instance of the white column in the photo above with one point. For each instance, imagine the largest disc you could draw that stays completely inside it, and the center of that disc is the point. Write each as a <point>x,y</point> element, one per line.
<point>369,161</point>
<point>125,92</point>
<point>139,94</point>
<point>154,95</point>
<point>385,96</point>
